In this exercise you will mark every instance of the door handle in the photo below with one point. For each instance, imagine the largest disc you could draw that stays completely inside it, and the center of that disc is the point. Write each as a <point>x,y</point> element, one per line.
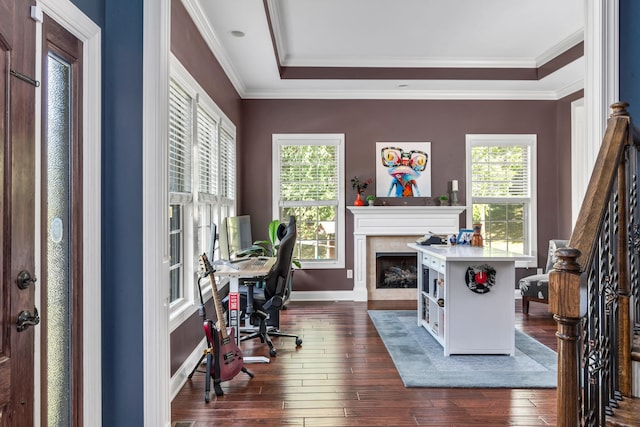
<point>25,319</point>
<point>25,279</point>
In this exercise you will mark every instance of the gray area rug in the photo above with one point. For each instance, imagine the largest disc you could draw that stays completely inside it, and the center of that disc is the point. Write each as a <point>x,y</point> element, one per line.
<point>420,359</point>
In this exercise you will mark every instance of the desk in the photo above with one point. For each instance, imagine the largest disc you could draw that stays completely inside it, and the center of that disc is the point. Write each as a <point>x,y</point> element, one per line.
<point>251,268</point>
<point>467,313</point>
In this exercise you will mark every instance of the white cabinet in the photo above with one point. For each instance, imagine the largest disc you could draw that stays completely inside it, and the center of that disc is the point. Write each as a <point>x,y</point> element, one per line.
<point>466,312</point>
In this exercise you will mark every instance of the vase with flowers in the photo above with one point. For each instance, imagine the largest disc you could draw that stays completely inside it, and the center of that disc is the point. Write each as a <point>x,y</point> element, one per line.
<point>359,186</point>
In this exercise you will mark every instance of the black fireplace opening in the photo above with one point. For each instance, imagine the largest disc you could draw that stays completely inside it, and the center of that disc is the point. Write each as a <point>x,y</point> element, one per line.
<point>396,270</point>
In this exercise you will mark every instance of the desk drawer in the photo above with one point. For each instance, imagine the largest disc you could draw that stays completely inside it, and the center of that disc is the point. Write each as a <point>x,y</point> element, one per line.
<point>426,260</point>
<point>438,265</point>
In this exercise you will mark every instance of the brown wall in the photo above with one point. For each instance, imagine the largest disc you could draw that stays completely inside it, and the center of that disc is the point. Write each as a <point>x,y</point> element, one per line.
<point>443,123</point>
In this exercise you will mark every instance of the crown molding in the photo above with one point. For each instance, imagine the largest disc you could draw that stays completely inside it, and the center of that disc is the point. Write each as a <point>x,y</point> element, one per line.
<point>560,48</point>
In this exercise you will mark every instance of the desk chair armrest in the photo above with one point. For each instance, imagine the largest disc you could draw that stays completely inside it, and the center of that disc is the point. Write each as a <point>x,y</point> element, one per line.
<point>277,301</point>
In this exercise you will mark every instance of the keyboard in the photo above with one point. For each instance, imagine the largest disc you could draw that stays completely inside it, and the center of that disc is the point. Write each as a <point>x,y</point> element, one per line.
<point>258,262</point>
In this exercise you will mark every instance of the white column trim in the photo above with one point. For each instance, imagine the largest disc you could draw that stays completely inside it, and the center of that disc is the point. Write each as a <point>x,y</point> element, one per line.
<point>601,74</point>
<point>580,162</point>
<point>155,259</point>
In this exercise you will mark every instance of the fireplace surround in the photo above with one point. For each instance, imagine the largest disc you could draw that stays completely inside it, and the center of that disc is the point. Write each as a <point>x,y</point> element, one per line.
<point>390,229</point>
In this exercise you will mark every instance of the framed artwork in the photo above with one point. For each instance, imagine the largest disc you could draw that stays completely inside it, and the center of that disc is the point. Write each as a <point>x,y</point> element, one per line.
<point>403,169</point>
<point>464,237</point>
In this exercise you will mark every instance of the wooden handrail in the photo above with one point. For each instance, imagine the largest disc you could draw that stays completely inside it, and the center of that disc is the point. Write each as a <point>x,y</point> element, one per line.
<point>598,192</point>
<point>606,195</point>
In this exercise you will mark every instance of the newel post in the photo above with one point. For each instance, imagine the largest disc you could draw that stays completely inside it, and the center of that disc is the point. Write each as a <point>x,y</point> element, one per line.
<point>564,303</point>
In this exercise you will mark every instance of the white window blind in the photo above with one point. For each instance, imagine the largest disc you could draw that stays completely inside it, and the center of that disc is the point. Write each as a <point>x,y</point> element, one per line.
<point>500,171</point>
<point>227,164</point>
<point>180,136</point>
<point>308,173</point>
<point>207,153</point>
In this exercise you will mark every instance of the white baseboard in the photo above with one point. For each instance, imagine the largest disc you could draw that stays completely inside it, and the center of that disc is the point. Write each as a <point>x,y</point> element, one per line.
<point>179,379</point>
<point>322,296</point>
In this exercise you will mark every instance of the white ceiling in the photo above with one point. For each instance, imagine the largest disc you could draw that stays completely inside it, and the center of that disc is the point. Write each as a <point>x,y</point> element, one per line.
<point>472,34</point>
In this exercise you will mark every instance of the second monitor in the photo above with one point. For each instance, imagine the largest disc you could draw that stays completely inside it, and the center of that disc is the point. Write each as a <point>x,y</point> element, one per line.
<point>235,236</point>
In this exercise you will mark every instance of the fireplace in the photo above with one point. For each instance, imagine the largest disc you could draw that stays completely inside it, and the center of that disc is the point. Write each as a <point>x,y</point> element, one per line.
<point>396,270</point>
<point>390,229</point>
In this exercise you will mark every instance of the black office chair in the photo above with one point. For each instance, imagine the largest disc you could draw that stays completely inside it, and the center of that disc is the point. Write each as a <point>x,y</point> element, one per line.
<point>270,298</point>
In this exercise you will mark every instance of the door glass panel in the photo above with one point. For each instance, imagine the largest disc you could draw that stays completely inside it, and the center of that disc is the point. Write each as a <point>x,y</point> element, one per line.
<point>58,280</point>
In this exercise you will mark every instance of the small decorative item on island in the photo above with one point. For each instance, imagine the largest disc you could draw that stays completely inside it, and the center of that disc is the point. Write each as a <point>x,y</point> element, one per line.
<point>359,186</point>
<point>371,199</point>
<point>476,238</point>
<point>453,239</point>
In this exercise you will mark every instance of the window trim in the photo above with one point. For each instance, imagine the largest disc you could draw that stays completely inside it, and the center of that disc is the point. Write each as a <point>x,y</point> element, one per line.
<point>183,308</point>
<point>337,139</point>
<point>531,216</point>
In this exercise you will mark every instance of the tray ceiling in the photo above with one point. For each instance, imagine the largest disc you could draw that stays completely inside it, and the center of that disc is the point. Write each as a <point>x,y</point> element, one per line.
<point>397,49</point>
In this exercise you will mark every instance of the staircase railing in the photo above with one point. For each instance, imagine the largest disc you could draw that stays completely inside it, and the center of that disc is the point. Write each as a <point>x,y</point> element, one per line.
<point>595,283</point>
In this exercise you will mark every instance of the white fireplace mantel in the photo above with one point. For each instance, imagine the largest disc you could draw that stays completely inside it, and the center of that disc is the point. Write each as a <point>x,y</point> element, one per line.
<point>395,221</point>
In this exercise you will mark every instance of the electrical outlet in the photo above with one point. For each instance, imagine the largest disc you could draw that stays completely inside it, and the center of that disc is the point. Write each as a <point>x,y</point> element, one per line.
<point>349,274</point>
<point>539,271</point>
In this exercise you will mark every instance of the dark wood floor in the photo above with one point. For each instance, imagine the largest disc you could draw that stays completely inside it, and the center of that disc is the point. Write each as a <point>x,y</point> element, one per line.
<point>342,375</point>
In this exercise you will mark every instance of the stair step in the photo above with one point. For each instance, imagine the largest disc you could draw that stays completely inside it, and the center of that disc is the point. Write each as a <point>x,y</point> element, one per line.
<point>627,414</point>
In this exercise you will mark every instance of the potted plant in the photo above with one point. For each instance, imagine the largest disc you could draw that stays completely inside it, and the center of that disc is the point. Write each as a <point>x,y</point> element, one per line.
<point>444,200</point>
<point>370,199</point>
<point>359,186</point>
<point>268,247</point>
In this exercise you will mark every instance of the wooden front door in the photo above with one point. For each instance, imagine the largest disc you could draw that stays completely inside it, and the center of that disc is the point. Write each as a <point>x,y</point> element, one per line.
<point>17,212</point>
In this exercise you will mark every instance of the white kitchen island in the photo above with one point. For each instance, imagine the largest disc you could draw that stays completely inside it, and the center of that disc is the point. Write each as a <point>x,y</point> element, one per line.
<point>466,298</point>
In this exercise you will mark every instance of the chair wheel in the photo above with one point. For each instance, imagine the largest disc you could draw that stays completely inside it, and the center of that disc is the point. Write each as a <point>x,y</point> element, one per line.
<point>273,352</point>
<point>298,342</point>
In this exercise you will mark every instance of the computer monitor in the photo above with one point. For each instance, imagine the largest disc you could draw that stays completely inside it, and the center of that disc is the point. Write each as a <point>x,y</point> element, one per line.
<point>212,242</point>
<point>235,235</point>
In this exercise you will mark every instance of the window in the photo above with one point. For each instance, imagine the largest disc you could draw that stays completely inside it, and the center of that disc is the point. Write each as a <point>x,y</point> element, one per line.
<point>201,183</point>
<point>308,182</point>
<point>501,190</point>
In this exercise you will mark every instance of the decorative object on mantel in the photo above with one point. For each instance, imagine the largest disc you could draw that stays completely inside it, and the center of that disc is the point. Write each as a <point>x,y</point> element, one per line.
<point>402,171</point>
<point>371,199</point>
<point>454,192</point>
<point>476,238</point>
<point>444,200</point>
<point>359,186</point>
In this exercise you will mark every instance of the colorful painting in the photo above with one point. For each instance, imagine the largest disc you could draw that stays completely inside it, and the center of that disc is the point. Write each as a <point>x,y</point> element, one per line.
<point>403,169</point>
